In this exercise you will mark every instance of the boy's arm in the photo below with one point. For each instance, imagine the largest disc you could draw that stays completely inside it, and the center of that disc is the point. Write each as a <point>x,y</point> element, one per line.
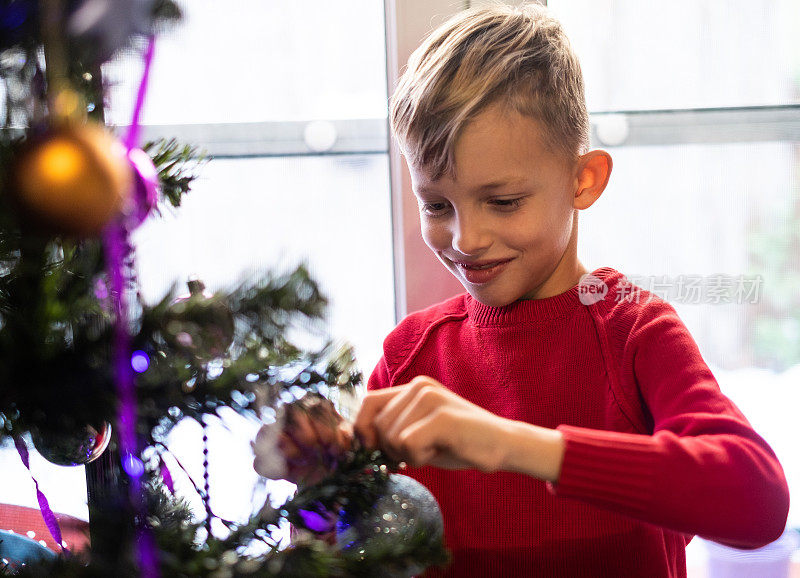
<point>380,376</point>
<point>701,470</point>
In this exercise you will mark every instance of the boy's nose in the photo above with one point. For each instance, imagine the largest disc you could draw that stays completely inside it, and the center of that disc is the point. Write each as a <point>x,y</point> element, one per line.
<point>470,238</point>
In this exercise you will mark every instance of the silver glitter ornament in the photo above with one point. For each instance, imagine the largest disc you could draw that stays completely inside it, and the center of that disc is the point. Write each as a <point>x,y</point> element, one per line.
<point>406,508</point>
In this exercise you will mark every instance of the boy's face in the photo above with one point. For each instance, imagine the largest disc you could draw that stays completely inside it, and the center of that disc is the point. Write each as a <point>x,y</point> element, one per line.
<point>510,207</point>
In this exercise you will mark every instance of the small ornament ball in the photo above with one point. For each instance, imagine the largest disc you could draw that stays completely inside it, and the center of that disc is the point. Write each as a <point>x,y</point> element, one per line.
<point>73,448</point>
<point>72,180</point>
<point>405,509</point>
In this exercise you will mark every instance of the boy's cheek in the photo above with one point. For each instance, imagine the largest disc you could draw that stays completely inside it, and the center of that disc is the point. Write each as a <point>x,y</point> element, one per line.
<point>435,238</point>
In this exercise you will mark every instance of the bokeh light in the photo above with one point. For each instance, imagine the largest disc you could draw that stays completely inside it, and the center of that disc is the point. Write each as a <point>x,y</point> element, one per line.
<point>140,361</point>
<point>133,466</point>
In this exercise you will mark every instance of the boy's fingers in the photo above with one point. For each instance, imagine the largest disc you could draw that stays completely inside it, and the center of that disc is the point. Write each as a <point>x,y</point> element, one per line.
<point>423,397</point>
<point>380,408</point>
<point>376,402</point>
<point>388,423</point>
<point>425,443</point>
<point>416,443</point>
<point>421,402</point>
<point>373,403</point>
<point>344,435</point>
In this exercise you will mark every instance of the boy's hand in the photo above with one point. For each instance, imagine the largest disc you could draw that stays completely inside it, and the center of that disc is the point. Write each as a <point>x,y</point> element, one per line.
<point>311,440</point>
<point>424,423</point>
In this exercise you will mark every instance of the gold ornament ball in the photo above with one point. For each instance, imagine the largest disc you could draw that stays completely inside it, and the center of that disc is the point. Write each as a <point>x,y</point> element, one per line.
<point>73,180</point>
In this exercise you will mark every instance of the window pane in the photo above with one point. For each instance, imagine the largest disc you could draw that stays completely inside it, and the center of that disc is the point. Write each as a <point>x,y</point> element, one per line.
<point>723,214</point>
<point>257,213</point>
<point>684,53</point>
<point>258,60</point>
<point>714,209</point>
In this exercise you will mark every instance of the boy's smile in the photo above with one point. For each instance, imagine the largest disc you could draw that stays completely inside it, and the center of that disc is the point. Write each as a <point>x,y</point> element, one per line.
<point>506,225</point>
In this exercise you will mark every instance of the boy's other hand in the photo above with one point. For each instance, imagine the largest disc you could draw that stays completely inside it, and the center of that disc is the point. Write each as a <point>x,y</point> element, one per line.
<point>424,423</point>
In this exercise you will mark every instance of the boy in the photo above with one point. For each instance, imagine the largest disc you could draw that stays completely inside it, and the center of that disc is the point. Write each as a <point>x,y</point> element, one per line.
<point>565,422</point>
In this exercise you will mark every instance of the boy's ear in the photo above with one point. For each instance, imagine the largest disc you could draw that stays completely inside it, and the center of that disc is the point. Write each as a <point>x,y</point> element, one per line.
<point>594,169</point>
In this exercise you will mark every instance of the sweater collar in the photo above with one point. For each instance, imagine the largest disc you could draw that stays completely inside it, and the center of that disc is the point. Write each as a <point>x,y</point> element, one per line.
<point>528,310</point>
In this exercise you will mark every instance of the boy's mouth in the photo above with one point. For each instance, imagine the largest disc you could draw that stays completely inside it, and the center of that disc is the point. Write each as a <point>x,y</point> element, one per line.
<point>481,265</point>
<point>481,272</point>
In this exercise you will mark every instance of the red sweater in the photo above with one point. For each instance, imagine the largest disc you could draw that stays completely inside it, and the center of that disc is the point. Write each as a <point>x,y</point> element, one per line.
<point>654,452</point>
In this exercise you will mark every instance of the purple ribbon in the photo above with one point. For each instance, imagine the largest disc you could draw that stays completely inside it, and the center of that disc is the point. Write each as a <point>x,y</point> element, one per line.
<point>166,475</point>
<point>132,138</point>
<point>44,506</point>
<point>117,248</point>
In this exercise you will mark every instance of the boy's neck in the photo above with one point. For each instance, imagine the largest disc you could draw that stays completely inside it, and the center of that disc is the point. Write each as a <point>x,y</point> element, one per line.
<point>562,280</point>
<point>568,271</point>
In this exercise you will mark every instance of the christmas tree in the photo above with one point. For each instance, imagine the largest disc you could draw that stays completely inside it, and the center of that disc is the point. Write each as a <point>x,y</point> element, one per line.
<point>90,374</point>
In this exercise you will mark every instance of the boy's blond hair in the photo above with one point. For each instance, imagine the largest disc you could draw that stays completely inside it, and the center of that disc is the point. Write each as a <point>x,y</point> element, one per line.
<point>516,56</point>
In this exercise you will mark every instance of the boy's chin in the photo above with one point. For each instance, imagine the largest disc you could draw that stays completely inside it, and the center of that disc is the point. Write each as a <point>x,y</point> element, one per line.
<point>488,299</point>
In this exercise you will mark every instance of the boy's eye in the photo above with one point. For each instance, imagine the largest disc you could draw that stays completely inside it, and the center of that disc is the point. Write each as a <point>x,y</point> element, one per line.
<point>511,203</point>
<point>432,208</point>
<point>437,209</point>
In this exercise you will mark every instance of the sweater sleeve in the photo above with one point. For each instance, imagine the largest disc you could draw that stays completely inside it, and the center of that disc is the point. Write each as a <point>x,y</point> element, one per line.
<point>380,376</point>
<point>703,471</point>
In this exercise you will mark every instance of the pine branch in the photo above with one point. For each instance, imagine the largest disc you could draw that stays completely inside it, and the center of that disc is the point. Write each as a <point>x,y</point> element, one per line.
<point>177,166</point>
